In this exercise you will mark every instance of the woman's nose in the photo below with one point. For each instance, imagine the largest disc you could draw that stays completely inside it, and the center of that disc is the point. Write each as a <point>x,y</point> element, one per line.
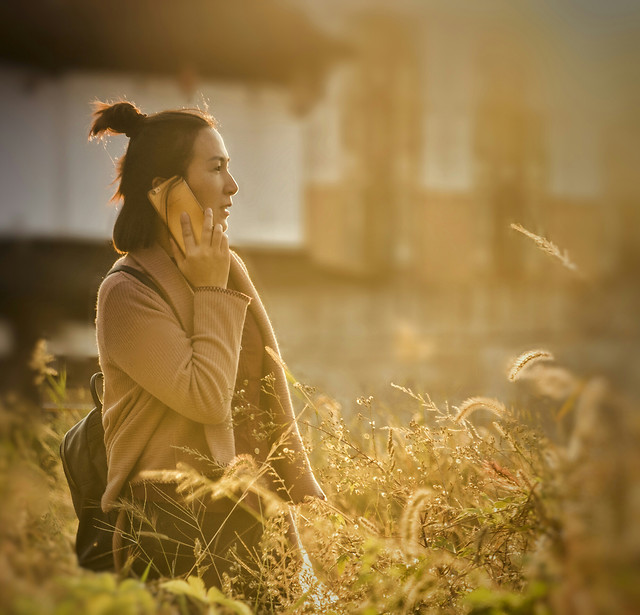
<point>232,186</point>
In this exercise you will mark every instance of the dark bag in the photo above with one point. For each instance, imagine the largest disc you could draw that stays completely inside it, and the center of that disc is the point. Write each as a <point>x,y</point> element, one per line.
<point>84,459</point>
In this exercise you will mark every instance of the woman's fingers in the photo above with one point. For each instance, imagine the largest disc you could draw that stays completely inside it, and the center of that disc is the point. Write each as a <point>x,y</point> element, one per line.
<point>217,236</point>
<point>187,232</point>
<point>204,264</point>
<point>207,227</point>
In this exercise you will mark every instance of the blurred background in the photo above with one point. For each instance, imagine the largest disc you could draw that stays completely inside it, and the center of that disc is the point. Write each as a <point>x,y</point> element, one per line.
<point>383,150</point>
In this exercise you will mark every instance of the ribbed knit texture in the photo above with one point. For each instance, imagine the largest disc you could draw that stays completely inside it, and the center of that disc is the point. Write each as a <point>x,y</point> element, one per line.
<point>169,380</point>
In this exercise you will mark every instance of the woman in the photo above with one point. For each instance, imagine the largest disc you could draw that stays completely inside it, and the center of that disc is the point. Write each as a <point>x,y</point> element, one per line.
<point>185,369</point>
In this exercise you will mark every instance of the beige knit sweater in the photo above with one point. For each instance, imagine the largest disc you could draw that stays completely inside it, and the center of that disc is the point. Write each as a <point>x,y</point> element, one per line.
<point>170,371</point>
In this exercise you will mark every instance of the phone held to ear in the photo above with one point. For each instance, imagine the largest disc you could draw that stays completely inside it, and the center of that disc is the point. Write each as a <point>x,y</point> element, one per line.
<point>170,199</point>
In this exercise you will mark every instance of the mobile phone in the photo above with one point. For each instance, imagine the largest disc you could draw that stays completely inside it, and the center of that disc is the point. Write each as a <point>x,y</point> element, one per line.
<point>170,199</point>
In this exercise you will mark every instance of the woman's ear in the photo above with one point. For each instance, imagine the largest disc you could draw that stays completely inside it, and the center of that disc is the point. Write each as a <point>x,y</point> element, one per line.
<point>157,181</point>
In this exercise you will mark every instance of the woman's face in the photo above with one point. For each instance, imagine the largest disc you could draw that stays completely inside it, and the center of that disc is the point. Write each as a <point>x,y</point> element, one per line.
<point>208,175</point>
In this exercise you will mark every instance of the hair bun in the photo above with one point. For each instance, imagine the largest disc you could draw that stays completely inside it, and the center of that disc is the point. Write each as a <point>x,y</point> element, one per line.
<point>118,118</point>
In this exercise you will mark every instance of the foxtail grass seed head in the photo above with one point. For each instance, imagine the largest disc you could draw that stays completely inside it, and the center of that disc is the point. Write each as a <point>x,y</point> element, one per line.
<point>40,360</point>
<point>411,519</point>
<point>527,359</point>
<point>550,248</point>
<point>472,404</point>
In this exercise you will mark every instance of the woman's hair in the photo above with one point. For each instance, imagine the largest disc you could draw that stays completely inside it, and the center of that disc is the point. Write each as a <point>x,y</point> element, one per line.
<point>160,145</point>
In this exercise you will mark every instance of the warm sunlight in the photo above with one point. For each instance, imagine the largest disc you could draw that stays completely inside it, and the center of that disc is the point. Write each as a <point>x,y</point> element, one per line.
<point>386,362</point>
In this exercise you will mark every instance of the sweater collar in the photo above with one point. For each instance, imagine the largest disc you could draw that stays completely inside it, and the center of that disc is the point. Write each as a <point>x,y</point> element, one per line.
<point>165,272</point>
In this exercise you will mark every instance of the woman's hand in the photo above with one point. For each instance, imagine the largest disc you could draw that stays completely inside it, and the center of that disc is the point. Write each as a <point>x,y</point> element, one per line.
<point>205,263</point>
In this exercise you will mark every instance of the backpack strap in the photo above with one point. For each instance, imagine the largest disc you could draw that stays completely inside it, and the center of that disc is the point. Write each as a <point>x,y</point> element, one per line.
<point>94,393</point>
<point>147,281</point>
<point>140,275</point>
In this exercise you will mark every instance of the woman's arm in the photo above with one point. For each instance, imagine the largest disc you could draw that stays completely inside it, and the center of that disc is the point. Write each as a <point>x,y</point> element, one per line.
<point>195,375</point>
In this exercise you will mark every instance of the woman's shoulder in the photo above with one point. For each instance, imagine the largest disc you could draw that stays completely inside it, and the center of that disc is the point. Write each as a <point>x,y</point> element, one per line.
<point>124,287</point>
<point>239,260</point>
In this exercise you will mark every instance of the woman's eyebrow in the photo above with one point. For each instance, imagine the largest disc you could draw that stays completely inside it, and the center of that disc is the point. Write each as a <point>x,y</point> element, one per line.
<point>220,158</point>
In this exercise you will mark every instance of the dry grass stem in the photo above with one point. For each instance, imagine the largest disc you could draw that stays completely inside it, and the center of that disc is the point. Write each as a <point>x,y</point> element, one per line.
<point>550,248</point>
<point>526,359</point>
<point>468,406</point>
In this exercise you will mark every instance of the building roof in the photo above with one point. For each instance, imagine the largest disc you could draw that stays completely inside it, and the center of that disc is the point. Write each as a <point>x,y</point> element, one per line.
<point>263,40</point>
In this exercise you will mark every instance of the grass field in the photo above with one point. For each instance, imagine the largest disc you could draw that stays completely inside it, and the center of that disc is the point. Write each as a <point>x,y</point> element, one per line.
<point>469,509</point>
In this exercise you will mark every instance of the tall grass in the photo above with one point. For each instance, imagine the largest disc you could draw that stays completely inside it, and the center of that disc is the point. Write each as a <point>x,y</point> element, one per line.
<point>464,509</point>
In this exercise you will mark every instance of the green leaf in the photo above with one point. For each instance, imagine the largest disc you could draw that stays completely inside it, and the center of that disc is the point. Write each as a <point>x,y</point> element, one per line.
<point>145,574</point>
<point>301,600</point>
<point>131,585</point>
<point>481,597</point>
<point>215,596</point>
<point>341,563</point>
<point>501,504</point>
<point>180,587</point>
<point>198,587</point>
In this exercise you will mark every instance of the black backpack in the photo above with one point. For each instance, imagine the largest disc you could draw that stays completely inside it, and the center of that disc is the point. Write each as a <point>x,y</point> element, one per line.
<point>84,459</point>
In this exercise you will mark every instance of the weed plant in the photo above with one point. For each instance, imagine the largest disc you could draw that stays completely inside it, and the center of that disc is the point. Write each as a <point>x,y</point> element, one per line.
<point>463,510</point>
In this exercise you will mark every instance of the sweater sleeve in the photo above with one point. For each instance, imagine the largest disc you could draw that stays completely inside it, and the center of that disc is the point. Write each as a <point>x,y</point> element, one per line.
<point>195,375</point>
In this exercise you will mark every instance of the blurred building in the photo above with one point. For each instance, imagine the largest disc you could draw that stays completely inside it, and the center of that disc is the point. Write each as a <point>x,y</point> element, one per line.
<point>382,149</point>
<point>256,65</point>
<point>454,121</point>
